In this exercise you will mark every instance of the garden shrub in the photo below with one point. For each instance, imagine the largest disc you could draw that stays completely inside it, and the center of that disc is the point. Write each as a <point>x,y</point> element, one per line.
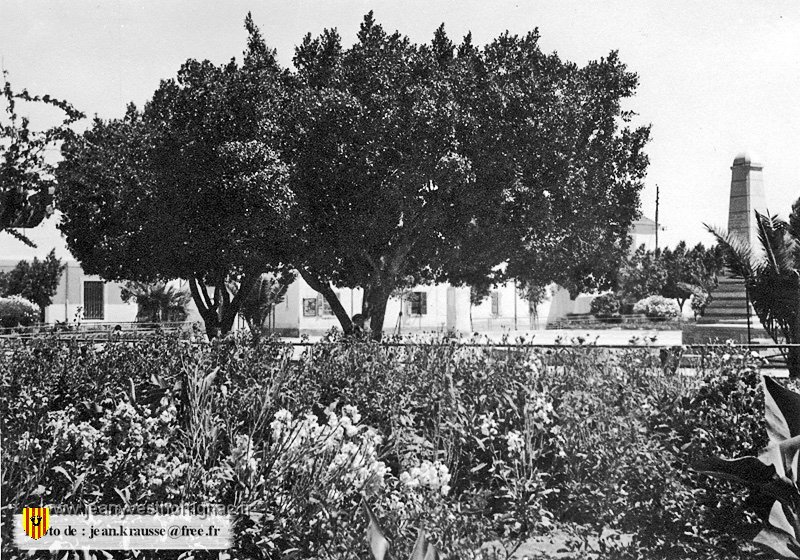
<point>699,302</point>
<point>605,305</point>
<point>658,307</point>
<point>16,311</point>
<point>478,444</point>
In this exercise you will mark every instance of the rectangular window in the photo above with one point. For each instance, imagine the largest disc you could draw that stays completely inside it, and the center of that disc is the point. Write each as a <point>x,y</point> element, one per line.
<point>309,307</point>
<point>419,303</point>
<point>495,296</point>
<point>93,307</point>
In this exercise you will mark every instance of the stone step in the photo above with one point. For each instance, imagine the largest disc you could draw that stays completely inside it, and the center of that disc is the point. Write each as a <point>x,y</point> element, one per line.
<point>729,296</point>
<point>730,288</point>
<point>705,320</point>
<point>727,311</point>
<point>735,303</point>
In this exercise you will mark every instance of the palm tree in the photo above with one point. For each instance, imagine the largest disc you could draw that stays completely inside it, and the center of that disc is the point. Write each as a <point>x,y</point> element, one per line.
<point>157,301</point>
<point>268,291</point>
<point>772,279</point>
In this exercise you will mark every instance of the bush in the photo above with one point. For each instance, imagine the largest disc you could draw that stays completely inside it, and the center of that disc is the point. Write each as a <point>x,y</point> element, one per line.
<point>479,444</point>
<point>699,302</point>
<point>658,307</point>
<point>16,311</point>
<point>605,305</point>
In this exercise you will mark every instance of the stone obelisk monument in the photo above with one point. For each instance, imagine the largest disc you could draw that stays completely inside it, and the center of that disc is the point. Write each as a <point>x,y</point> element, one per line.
<point>747,195</point>
<point>729,302</point>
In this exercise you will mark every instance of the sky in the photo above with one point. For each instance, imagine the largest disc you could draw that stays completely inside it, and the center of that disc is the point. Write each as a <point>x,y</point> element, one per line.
<point>716,77</point>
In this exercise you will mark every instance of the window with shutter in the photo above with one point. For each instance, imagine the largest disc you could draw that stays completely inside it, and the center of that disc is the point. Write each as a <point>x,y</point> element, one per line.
<point>419,303</point>
<point>93,305</point>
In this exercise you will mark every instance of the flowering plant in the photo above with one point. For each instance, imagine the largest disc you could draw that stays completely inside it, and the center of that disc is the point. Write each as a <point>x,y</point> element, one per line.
<point>657,306</point>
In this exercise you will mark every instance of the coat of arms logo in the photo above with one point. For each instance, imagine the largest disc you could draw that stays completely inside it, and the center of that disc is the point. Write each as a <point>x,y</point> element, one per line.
<point>36,521</point>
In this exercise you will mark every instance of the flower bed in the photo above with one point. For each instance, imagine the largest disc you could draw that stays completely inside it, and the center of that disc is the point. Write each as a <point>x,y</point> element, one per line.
<point>479,445</point>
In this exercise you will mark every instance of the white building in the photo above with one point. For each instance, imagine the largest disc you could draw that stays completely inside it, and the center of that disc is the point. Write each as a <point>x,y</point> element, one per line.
<point>438,307</point>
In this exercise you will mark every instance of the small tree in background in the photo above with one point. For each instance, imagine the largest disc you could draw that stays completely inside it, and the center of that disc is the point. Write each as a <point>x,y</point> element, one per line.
<point>157,302</point>
<point>35,281</point>
<point>268,291</point>
<point>689,272</point>
<point>672,273</point>
<point>642,275</point>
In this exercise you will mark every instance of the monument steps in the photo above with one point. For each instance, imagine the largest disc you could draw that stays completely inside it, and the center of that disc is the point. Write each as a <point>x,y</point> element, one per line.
<point>738,303</point>
<point>729,303</point>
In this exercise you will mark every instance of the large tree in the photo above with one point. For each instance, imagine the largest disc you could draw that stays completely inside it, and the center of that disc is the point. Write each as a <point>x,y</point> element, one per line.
<point>191,187</point>
<point>423,163</point>
<point>26,180</point>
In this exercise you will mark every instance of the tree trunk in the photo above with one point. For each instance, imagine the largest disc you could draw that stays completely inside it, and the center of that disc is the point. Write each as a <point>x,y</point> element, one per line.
<point>220,312</point>
<point>327,292</point>
<point>374,307</point>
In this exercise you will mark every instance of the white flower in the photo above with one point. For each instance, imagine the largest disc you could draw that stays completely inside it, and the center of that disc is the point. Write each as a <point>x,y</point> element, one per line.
<point>488,425</point>
<point>514,442</point>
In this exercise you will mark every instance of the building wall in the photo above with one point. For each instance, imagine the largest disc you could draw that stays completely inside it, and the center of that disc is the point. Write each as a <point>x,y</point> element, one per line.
<point>303,310</point>
<point>68,300</point>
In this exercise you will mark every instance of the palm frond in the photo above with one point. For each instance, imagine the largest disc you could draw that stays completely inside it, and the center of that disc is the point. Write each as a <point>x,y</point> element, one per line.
<point>777,244</point>
<point>737,253</point>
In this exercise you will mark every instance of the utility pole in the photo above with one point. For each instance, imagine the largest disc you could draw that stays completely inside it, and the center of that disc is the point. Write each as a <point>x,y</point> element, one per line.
<point>657,193</point>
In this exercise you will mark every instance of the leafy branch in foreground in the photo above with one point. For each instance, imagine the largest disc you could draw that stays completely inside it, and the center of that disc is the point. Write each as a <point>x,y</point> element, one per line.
<point>773,475</point>
<point>26,178</point>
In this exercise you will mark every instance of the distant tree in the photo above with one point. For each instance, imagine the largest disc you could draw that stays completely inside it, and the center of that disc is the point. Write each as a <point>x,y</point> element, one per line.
<point>672,273</point>
<point>190,187</point>
<point>157,302</point>
<point>268,291</point>
<point>26,180</point>
<point>642,275</point>
<point>437,163</point>
<point>35,281</point>
<point>477,295</point>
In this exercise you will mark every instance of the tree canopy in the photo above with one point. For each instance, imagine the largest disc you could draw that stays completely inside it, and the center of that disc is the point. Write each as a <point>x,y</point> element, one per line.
<point>380,166</point>
<point>422,163</point>
<point>191,186</point>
